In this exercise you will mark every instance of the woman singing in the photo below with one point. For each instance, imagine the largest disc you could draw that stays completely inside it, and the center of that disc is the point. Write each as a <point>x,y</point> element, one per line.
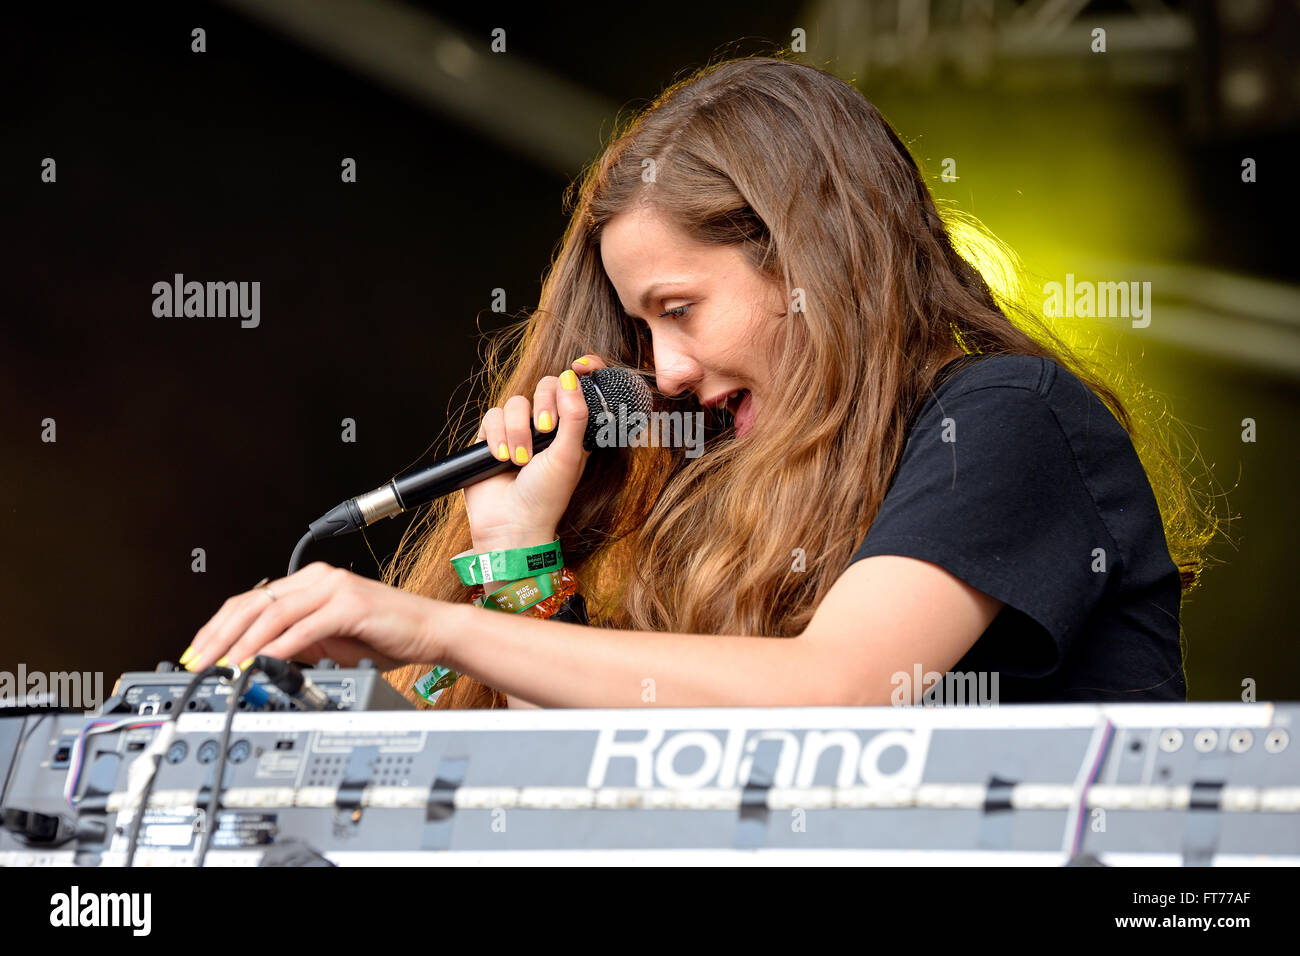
<point>898,481</point>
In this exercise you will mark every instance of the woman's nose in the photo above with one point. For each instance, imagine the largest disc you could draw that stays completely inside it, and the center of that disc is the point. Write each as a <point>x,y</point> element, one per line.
<point>674,371</point>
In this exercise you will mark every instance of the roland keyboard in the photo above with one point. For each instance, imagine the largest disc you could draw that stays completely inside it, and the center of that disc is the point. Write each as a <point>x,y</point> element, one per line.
<point>1073,784</point>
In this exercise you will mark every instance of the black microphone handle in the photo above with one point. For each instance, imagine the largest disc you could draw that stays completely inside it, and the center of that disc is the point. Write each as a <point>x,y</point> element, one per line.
<point>453,472</point>
<point>458,470</point>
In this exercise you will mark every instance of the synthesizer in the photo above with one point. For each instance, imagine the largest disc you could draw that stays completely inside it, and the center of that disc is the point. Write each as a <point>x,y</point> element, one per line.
<point>1070,784</point>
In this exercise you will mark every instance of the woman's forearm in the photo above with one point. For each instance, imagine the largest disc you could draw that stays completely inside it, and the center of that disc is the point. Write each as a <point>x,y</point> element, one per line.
<point>560,664</point>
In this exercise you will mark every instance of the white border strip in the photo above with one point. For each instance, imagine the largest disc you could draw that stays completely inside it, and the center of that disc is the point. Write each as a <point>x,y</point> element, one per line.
<point>721,857</point>
<point>1013,716</point>
<point>931,796</point>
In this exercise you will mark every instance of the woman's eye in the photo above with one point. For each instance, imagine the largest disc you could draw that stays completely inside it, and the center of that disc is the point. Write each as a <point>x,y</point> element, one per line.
<point>676,313</point>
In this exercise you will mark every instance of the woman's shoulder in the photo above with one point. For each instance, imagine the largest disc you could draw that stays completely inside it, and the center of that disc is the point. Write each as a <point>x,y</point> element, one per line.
<point>993,385</point>
<point>1028,429</point>
<point>1026,423</point>
<point>1026,373</point>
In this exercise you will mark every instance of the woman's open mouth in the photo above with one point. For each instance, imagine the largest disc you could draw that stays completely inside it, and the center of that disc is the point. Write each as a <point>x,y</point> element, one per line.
<point>741,407</point>
<point>737,411</point>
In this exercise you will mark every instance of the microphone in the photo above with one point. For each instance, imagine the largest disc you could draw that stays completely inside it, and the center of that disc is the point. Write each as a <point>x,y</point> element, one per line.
<point>611,394</point>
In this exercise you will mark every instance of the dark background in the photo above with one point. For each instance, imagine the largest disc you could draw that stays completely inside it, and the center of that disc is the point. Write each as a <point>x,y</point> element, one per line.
<point>176,433</point>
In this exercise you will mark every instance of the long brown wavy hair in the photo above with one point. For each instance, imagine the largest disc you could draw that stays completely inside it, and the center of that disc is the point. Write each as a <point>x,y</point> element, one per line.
<point>799,171</point>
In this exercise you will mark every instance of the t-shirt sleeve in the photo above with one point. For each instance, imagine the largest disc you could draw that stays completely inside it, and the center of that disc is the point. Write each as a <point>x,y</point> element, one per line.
<point>989,490</point>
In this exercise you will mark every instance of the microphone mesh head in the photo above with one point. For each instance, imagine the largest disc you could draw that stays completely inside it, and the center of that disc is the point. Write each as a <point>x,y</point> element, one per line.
<point>615,395</point>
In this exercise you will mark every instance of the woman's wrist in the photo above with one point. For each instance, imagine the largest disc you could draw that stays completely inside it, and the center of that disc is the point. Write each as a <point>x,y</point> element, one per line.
<point>506,539</point>
<point>447,624</point>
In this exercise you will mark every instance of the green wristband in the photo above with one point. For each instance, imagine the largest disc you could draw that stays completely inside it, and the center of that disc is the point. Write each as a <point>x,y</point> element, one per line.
<point>512,564</point>
<point>435,682</point>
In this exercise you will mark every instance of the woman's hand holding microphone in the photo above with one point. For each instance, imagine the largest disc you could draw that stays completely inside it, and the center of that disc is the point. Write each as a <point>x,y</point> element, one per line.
<point>322,611</point>
<point>522,507</point>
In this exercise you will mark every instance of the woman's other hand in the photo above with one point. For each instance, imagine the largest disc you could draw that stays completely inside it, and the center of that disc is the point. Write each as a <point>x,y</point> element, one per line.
<point>323,611</point>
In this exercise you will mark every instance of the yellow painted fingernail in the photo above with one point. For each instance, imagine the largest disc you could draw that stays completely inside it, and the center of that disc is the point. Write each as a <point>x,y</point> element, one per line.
<point>192,664</point>
<point>583,361</point>
<point>569,380</point>
<point>223,662</point>
<point>502,451</point>
<point>244,666</point>
<point>185,658</point>
<point>544,421</point>
<point>521,455</point>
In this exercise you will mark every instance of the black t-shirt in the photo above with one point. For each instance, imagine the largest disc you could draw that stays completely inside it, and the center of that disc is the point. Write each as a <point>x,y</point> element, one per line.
<point>1017,479</point>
